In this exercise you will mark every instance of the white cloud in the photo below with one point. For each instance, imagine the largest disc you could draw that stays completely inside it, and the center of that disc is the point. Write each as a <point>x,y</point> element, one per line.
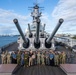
<point>7,26</point>
<point>7,16</point>
<point>66,9</point>
<point>6,21</point>
<point>45,19</point>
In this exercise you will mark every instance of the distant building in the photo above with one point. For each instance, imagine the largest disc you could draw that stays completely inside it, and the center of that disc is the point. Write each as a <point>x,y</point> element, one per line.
<point>66,40</point>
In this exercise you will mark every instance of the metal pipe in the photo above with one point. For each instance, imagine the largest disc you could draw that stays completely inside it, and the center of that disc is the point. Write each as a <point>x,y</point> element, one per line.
<point>29,28</point>
<point>20,30</point>
<point>37,32</point>
<point>43,29</point>
<point>55,30</point>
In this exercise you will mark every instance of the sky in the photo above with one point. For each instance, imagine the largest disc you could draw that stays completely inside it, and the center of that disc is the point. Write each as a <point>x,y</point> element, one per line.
<point>53,10</point>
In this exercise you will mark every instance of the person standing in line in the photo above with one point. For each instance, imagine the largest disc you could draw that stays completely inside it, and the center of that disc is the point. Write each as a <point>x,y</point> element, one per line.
<point>22,59</point>
<point>60,58</point>
<point>38,58</point>
<point>6,52</point>
<point>14,58</point>
<point>8,58</point>
<point>18,57</point>
<point>26,56</point>
<point>63,57</point>
<point>30,58</point>
<point>3,58</point>
<point>42,59</point>
<point>51,59</point>
<point>68,56</point>
<point>56,59</point>
<point>47,60</point>
<point>34,58</point>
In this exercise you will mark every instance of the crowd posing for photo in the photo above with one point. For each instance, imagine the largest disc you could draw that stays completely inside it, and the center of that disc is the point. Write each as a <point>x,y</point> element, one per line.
<point>31,58</point>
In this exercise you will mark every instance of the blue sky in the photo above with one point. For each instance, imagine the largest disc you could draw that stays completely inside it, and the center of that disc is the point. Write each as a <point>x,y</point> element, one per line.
<point>53,10</point>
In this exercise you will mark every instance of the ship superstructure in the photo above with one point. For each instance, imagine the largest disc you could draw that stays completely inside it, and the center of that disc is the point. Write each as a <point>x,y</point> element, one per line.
<point>36,37</point>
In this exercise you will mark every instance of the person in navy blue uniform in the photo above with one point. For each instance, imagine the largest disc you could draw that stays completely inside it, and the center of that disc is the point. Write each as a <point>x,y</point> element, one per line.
<point>14,58</point>
<point>22,59</point>
<point>51,56</point>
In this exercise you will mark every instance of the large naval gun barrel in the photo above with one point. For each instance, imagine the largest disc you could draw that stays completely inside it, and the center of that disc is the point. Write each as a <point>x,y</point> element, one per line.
<point>30,34</point>
<point>26,40</point>
<point>42,33</point>
<point>43,29</point>
<point>37,41</point>
<point>48,41</point>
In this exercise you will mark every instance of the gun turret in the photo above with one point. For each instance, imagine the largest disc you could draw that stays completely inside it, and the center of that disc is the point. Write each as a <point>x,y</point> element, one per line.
<point>37,41</point>
<point>48,41</point>
<point>30,34</point>
<point>26,40</point>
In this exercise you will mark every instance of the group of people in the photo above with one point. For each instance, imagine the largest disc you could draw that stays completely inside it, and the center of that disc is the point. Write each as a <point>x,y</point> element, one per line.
<point>29,58</point>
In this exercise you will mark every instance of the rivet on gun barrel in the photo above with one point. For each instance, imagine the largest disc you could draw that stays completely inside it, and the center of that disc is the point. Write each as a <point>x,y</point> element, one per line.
<point>26,40</point>
<point>48,41</point>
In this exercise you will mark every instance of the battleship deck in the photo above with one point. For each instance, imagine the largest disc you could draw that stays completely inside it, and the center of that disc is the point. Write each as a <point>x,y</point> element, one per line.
<point>40,70</point>
<point>69,69</point>
<point>12,47</point>
<point>7,69</point>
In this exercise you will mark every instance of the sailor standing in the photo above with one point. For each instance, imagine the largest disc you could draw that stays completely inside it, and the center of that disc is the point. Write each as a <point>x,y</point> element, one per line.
<point>47,58</point>
<point>56,58</point>
<point>68,56</point>
<point>3,58</point>
<point>60,58</point>
<point>14,57</point>
<point>38,58</point>
<point>51,58</point>
<point>22,59</point>
<point>6,53</point>
<point>42,59</point>
<point>34,58</point>
<point>18,57</point>
<point>8,58</point>
<point>63,57</point>
<point>26,61</point>
<point>30,58</point>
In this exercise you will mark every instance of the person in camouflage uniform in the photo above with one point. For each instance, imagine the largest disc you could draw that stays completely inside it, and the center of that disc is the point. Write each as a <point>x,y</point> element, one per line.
<point>3,58</point>
<point>30,58</point>
<point>6,53</point>
<point>47,59</point>
<point>18,57</point>
<point>56,58</point>
<point>8,58</point>
<point>26,59</point>
<point>42,59</point>
<point>63,57</point>
<point>38,58</point>
<point>60,58</point>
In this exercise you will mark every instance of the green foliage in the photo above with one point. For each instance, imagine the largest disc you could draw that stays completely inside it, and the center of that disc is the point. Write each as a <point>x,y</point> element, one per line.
<point>74,37</point>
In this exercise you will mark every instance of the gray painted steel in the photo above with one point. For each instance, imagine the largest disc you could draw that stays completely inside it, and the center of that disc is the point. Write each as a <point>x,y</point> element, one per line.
<point>55,30</point>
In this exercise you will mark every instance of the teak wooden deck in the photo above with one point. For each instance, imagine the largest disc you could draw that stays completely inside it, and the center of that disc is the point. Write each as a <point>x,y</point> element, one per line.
<point>69,69</point>
<point>40,70</point>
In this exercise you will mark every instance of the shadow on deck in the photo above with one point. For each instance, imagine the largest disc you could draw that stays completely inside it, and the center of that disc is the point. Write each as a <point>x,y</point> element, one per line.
<point>40,70</point>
